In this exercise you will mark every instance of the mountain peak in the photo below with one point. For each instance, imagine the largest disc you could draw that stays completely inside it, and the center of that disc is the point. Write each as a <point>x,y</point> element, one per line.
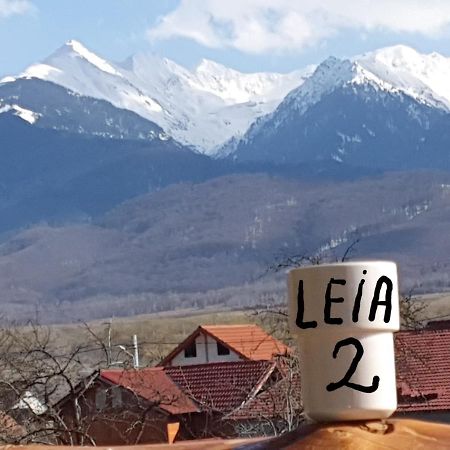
<point>207,65</point>
<point>399,50</point>
<point>73,48</point>
<point>396,55</point>
<point>328,74</point>
<point>75,45</point>
<point>422,76</point>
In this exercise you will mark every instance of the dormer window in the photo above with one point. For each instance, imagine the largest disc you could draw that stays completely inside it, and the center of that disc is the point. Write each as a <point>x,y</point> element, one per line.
<point>191,350</point>
<point>222,350</point>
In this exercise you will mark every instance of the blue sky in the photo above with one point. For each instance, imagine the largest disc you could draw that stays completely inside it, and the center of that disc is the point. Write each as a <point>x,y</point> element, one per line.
<point>249,35</point>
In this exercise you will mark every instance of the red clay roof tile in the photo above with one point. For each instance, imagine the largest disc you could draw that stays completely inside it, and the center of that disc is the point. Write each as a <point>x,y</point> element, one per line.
<point>249,340</point>
<point>423,370</point>
<point>154,385</point>
<point>221,386</point>
<point>423,379</point>
<point>215,386</point>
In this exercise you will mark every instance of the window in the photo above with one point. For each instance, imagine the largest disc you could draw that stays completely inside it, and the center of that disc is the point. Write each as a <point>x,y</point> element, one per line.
<point>116,397</point>
<point>191,351</point>
<point>100,399</point>
<point>222,350</point>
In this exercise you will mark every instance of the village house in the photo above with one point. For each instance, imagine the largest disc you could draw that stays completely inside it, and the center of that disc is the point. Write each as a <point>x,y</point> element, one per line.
<point>422,372</point>
<point>256,393</point>
<point>215,371</point>
<point>137,405</point>
<point>423,382</point>
<point>225,343</point>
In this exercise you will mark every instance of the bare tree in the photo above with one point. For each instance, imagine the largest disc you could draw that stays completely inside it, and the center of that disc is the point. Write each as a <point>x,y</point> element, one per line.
<point>412,312</point>
<point>36,374</point>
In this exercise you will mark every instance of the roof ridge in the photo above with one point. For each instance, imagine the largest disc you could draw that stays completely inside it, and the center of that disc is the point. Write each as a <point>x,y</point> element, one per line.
<point>232,325</point>
<point>132,370</point>
<point>219,363</point>
<point>424,330</point>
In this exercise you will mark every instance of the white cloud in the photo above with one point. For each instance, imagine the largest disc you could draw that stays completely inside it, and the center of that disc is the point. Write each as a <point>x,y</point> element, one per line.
<point>12,7</point>
<point>258,26</point>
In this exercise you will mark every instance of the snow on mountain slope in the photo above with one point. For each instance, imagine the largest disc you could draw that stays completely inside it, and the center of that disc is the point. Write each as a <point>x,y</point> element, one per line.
<point>424,77</point>
<point>203,108</point>
<point>76,68</point>
<point>211,104</point>
<point>329,75</point>
<point>397,69</point>
<point>24,114</point>
<point>236,87</point>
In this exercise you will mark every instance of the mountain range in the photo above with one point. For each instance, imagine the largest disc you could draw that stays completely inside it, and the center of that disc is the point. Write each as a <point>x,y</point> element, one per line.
<point>201,108</point>
<point>218,111</point>
<point>148,184</point>
<point>387,109</point>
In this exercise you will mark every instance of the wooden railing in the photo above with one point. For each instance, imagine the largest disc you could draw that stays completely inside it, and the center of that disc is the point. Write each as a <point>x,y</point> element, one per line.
<point>370,435</point>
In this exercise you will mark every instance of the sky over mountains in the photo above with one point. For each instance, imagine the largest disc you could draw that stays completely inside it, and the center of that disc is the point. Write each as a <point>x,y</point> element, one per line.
<point>248,35</point>
<point>298,137</point>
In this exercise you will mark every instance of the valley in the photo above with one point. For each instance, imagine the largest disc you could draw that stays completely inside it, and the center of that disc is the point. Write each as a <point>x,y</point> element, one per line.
<point>214,243</point>
<point>111,204</point>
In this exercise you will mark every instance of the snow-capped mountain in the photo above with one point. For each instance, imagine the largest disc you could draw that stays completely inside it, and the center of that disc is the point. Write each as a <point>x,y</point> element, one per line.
<point>218,110</point>
<point>421,76</point>
<point>389,109</point>
<point>48,105</point>
<point>202,108</point>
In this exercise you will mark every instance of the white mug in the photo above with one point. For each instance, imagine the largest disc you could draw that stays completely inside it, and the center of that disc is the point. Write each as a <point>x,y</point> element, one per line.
<point>344,316</point>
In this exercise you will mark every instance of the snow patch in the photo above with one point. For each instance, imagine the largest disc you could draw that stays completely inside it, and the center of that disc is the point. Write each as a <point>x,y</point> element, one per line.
<point>409,211</point>
<point>25,114</point>
<point>41,71</point>
<point>338,240</point>
<point>7,79</point>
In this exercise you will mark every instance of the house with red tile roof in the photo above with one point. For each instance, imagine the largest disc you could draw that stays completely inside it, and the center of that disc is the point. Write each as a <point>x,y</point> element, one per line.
<point>220,399</point>
<point>423,373</point>
<point>223,387</point>
<point>225,343</point>
<point>136,406</point>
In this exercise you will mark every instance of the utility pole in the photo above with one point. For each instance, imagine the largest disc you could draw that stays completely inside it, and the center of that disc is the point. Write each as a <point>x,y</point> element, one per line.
<point>109,342</point>
<point>107,347</point>
<point>136,352</point>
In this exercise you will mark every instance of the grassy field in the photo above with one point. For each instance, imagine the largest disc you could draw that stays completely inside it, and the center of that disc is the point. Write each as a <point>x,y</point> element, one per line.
<point>437,306</point>
<point>158,334</point>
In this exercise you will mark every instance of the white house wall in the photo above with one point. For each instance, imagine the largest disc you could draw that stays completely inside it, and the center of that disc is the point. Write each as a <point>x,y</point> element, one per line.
<point>206,353</point>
